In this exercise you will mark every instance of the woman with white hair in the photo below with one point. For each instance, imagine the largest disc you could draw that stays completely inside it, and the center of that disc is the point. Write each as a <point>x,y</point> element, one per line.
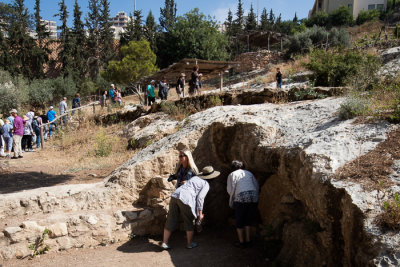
<point>185,170</point>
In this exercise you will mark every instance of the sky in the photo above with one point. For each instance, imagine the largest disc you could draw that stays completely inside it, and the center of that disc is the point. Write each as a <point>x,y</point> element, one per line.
<point>215,8</point>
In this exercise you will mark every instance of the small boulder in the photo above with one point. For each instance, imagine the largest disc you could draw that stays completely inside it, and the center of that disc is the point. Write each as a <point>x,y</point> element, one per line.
<point>58,230</point>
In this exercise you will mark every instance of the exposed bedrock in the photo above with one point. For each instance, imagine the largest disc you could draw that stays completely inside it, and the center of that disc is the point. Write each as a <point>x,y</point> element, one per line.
<point>293,150</point>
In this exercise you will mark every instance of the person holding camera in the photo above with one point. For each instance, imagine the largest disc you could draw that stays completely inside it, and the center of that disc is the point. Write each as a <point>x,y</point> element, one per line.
<point>185,170</point>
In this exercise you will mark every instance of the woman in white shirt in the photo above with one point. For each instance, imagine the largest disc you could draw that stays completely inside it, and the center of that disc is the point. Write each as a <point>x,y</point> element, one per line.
<point>243,189</point>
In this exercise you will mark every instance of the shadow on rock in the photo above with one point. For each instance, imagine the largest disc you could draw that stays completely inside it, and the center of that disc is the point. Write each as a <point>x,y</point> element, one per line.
<point>19,181</point>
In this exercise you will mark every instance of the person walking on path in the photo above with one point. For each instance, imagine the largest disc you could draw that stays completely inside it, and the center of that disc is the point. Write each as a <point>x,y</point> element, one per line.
<point>51,116</point>
<point>27,137</point>
<point>111,93</point>
<point>151,97</point>
<point>188,201</point>
<point>163,89</point>
<point>2,143</point>
<point>63,109</point>
<point>36,123</point>
<point>11,119</point>
<point>18,133</point>
<point>118,96</point>
<point>194,81</point>
<point>45,128</point>
<point>7,137</point>
<point>180,86</point>
<point>243,189</point>
<point>76,102</point>
<point>103,100</point>
<point>278,78</point>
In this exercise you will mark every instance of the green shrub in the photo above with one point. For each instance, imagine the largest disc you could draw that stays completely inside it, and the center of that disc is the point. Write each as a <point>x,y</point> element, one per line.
<point>103,144</point>
<point>390,217</point>
<point>13,92</point>
<point>342,16</point>
<point>319,19</point>
<point>332,68</point>
<point>353,107</point>
<point>40,93</point>
<point>365,16</point>
<point>63,87</point>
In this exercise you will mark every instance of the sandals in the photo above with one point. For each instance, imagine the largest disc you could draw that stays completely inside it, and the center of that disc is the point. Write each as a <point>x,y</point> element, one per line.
<point>192,245</point>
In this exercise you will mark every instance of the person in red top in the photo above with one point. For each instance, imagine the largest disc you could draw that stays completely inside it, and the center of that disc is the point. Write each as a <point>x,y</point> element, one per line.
<point>18,133</point>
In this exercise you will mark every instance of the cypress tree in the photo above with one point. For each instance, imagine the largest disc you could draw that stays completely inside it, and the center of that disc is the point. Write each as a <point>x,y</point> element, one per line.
<point>251,21</point>
<point>6,60</point>
<point>66,46</point>
<point>271,18</point>
<point>129,33</point>
<point>264,22</point>
<point>106,33</point>
<point>229,24</point>
<point>78,40</point>
<point>295,19</point>
<point>150,31</point>
<point>93,40</point>
<point>138,27</point>
<point>239,22</point>
<point>42,39</point>
<point>168,15</point>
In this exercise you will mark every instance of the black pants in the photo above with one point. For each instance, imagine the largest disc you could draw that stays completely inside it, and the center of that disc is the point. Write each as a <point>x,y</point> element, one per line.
<point>151,100</point>
<point>26,142</point>
<point>244,213</point>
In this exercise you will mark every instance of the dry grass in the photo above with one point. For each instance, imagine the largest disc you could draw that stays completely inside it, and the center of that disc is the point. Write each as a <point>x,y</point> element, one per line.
<point>369,28</point>
<point>287,68</point>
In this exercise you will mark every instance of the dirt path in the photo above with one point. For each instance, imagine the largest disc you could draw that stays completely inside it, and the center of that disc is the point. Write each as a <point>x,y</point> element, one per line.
<point>215,249</point>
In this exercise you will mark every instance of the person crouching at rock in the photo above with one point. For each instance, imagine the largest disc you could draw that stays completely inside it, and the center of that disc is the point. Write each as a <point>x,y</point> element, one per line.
<point>243,189</point>
<point>187,201</point>
<point>186,169</point>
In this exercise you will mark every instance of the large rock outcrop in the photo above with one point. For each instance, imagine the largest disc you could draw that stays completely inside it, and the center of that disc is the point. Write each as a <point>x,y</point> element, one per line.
<point>293,149</point>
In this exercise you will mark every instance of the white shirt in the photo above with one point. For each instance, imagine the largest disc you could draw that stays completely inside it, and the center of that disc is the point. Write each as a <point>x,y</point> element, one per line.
<point>241,181</point>
<point>193,193</point>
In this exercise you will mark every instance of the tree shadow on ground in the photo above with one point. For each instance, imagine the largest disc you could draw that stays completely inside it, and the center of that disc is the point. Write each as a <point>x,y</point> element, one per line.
<point>19,181</point>
<point>215,249</point>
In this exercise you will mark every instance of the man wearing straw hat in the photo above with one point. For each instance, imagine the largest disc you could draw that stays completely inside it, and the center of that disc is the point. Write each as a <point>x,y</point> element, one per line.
<point>188,201</point>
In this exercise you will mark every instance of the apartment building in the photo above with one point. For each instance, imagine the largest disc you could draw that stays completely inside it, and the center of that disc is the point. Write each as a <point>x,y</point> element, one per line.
<point>355,5</point>
<point>119,23</point>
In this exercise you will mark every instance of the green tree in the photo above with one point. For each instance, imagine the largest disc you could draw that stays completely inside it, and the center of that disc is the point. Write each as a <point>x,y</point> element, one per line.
<point>6,59</point>
<point>264,22</point>
<point>195,36</point>
<point>168,15</point>
<point>365,16</point>
<point>138,25</point>
<point>278,24</point>
<point>137,61</point>
<point>229,24</point>
<point>129,33</point>
<point>94,39</point>
<point>106,33</point>
<point>251,21</point>
<point>79,43</point>
<point>239,21</point>
<point>341,17</point>
<point>271,18</point>
<point>321,19</point>
<point>150,31</point>
<point>42,36</point>
<point>25,56</point>
<point>66,46</point>
<point>295,19</point>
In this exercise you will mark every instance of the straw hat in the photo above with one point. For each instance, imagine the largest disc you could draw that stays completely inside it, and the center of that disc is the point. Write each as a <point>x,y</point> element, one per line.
<point>13,111</point>
<point>208,172</point>
<point>26,118</point>
<point>183,74</point>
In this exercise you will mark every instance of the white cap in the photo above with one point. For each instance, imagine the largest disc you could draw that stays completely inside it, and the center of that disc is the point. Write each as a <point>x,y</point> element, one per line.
<point>51,107</point>
<point>112,85</point>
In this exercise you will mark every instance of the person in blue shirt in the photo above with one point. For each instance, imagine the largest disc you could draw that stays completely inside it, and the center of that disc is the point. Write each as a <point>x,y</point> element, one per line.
<point>111,93</point>
<point>51,115</point>
<point>7,137</point>
<point>151,97</point>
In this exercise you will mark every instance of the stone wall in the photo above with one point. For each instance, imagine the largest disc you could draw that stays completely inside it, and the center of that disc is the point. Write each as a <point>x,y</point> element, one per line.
<point>256,60</point>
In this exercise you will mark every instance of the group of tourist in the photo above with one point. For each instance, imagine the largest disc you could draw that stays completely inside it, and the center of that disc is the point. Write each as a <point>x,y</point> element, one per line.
<point>163,87</point>
<point>192,186</point>
<point>20,133</point>
<point>114,94</point>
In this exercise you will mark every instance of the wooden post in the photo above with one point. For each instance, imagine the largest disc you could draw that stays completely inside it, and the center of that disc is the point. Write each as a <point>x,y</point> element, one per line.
<point>281,44</point>
<point>248,43</point>
<point>221,81</point>
<point>94,108</point>
<point>183,89</point>
<point>41,138</point>
<point>268,41</point>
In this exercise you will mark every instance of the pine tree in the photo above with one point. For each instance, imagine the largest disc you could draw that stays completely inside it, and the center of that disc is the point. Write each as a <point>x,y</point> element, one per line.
<point>25,56</point>
<point>271,18</point>
<point>42,35</point>
<point>168,15</point>
<point>65,54</point>
<point>295,19</point>
<point>93,40</point>
<point>264,22</point>
<point>150,31</point>
<point>278,23</point>
<point>138,25</point>
<point>79,41</point>
<point>251,21</point>
<point>106,33</point>
<point>239,22</point>
<point>229,24</point>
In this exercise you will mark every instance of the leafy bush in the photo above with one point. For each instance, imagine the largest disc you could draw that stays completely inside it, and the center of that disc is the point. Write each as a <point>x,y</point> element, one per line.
<point>341,17</point>
<point>353,107</point>
<point>103,144</point>
<point>40,93</point>
<point>13,92</point>
<point>63,87</point>
<point>319,19</point>
<point>332,68</point>
<point>365,16</point>
<point>390,217</point>
<point>315,37</point>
